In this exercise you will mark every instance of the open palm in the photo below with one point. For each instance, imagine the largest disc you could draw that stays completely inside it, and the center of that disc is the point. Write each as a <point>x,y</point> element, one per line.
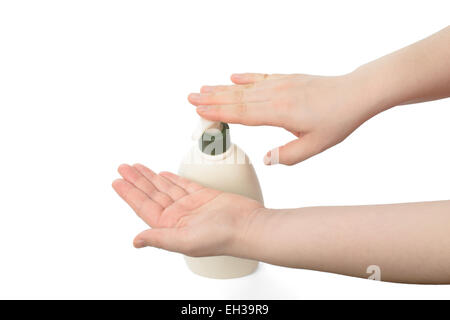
<point>185,216</point>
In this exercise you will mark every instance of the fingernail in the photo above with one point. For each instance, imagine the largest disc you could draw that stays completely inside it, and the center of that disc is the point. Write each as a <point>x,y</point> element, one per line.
<point>204,109</point>
<point>237,76</point>
<point>139,243</point>
<point>267,159</point>
<point>194,96</point>
<point>272,157</point>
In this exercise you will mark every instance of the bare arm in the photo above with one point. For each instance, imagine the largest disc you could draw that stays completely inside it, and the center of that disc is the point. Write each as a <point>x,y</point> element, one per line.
<point>409,242</point>
<point>417,73</point>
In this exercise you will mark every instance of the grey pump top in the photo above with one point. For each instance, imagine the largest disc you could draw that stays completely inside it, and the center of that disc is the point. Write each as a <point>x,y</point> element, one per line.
<point>215,141</point>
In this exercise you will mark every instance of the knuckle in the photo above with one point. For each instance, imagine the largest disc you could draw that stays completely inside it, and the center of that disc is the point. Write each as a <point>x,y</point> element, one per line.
<point>241,109</point>
<point>154,241</point>
<point>210,97</point>
<point>141,181</point>
<point>239,95</point>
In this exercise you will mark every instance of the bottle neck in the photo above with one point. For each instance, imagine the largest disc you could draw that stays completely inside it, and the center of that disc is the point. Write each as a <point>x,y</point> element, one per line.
<point>215,141</point>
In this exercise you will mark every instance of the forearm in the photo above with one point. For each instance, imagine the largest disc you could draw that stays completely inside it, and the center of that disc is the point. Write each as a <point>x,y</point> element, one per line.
<point>419,72</point>
<point>408,242</point>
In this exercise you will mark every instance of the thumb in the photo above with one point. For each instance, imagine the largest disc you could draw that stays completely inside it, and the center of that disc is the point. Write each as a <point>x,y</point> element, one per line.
<point>293,152</point>
<point>162,238</point>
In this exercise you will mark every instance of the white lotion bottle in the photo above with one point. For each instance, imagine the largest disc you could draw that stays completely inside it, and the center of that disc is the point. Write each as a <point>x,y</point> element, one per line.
<point>215,162</point>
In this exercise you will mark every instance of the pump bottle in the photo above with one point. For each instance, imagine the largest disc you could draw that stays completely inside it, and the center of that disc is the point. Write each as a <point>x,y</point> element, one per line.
<point>215,162</point>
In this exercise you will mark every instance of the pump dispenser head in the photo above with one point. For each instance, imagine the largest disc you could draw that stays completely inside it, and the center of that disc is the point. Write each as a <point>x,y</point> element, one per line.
<point>213,137</point>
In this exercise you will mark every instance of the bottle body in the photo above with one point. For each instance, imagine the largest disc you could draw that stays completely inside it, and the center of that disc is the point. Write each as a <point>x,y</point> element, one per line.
<point>229,172</point>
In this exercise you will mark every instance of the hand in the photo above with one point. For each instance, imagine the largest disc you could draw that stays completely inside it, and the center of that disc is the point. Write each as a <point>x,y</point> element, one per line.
<point>185,217</point>
<point>319,111</point>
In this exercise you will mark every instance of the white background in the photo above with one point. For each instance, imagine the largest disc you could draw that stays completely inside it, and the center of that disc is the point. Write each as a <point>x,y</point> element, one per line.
<point>88,85</point>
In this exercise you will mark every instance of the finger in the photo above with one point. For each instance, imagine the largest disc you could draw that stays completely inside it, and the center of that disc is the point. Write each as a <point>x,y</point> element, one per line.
<point>251,114</point>
<point>147,209</point>
<point>162,184</point>
<point>246,78</point>
<point>227,97</point>
<point>210,89</point>
<point>293,152</point>
<point>164,238</point>
<point>188,185</point>
<point>136,178</point>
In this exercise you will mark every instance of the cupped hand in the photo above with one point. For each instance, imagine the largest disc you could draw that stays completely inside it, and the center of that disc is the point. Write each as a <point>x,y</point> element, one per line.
<point>319,111</point>
<point>184,216</point>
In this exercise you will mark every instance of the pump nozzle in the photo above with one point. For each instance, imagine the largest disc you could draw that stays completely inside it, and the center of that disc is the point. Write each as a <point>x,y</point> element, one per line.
<point>213,137</point>
<point>203,126</point>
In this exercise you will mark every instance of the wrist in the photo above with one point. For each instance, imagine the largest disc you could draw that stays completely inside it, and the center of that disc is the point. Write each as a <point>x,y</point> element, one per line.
<point>246,238</point>
<point>370,86</point>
